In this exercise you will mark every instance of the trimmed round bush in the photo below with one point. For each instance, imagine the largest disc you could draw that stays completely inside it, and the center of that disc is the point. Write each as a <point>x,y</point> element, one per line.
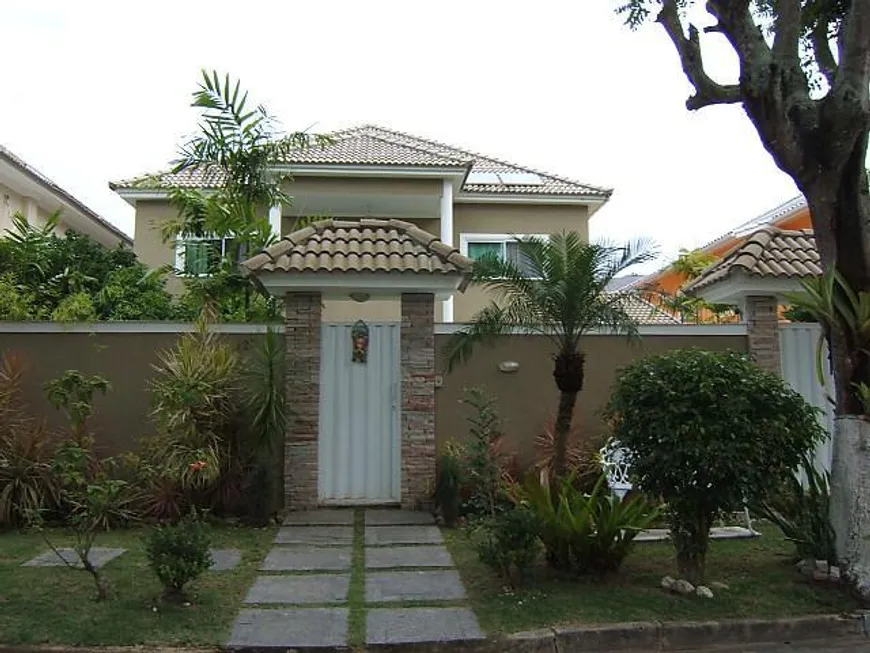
<point>708,431</point>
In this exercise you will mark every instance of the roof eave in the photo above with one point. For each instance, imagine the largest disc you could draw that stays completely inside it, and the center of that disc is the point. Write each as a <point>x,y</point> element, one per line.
<point>594,202</point>
<point>63,195</point>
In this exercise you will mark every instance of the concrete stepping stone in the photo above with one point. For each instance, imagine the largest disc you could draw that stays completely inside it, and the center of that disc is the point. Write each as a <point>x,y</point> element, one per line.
<point>316,535</point>
<point>299,589</point>
<point>319,518</point>
<point>387,517</point>
<point>382,587</point>
<point>307,559</point>
<point>407,556</point>
<point>292,628</point>
<point>98,556</point>
<point>225,559</point>
<point>417,625</point>
<point>380,535</point>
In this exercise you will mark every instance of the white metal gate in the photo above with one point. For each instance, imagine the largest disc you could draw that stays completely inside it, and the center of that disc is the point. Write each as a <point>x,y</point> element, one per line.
<point>798,343</point>
<point>359,455</point>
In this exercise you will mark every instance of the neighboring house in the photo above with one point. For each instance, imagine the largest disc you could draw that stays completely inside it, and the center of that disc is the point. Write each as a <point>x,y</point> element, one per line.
<point>771,261</point>
<point>25,190</point>
<point>473,203</point>
<point>793,214</point>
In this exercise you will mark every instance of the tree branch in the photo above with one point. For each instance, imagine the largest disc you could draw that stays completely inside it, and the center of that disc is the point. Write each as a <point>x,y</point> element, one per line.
<point>747,39</point>
<point>822,51</point>
<point>854,50</point>
<point>787,31</point>
<point>707,91</point>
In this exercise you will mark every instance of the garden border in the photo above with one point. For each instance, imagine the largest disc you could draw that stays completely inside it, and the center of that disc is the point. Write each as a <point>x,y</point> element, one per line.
<point>631,636</point>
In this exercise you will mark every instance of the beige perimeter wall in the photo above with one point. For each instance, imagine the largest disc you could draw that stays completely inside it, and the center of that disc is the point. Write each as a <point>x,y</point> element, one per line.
<point>526,398</point>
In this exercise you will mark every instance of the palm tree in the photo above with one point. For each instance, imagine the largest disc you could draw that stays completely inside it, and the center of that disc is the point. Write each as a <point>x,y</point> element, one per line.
<point>555,287</point>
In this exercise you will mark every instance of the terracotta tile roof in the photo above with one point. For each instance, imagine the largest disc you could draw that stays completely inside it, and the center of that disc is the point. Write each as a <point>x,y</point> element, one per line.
<point>372,145</point>
<point>646,312</point>
<point>368,245</point>
<point>771,253</point>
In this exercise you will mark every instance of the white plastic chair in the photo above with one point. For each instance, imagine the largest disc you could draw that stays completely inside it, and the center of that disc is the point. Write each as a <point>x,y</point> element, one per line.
<point>614,462</point>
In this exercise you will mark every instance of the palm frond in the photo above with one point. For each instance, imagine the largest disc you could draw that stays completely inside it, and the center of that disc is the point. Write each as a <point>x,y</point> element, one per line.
<point>556,287</point>
<point>489,323</point>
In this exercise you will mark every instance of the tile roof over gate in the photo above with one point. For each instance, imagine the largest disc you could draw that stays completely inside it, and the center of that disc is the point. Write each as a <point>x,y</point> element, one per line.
<point>770,253</point>
<point>372,145</point>
<point>370,245</point>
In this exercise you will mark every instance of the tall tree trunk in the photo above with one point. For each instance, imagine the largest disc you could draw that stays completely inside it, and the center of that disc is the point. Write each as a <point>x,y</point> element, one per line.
<point>840,210</point>
<point>568,373</point>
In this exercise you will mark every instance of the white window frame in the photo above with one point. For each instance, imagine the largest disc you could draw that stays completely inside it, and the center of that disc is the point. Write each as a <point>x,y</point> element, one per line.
<point>466,238</point>
<point>180,252</point>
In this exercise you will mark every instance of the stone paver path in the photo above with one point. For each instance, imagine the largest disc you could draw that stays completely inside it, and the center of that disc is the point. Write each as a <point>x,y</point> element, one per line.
<point>394,586</point>
<point>414,625</point>
<point>314,627</point>
<point>388,557</point>
<point>299,589</point>
<point>320,555</point>
<point>383,535</point>
<point>225,559</point>
<point>307,559</point>
<point>316,535</point>
<point>98,556</point>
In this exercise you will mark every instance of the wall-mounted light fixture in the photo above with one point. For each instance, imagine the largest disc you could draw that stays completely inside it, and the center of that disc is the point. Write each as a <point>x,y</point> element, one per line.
<point>360,296</point>
<point>508,367</point>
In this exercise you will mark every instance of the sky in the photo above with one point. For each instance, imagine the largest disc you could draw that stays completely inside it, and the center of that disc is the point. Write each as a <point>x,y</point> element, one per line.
<point>94,91</point>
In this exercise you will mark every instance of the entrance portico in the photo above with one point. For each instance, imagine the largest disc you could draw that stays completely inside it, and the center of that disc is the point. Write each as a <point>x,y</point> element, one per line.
<point>339,446</point>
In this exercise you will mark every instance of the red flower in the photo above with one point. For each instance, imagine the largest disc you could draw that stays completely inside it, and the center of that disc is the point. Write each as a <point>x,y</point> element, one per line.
<point>198,465</point>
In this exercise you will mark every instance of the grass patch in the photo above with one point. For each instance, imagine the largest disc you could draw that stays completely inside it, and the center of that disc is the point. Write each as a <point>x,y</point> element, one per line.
<point>759,572</point>
<point>356,599</point>
<point>54,605</point>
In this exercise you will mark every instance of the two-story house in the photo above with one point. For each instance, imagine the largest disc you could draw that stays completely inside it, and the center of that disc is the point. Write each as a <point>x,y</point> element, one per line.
<point>26,191</point>
<point>472,202</point>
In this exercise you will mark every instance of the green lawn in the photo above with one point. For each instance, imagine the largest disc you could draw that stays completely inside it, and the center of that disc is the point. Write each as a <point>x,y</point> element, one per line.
<point>759,572</point>
<point>54,604</point>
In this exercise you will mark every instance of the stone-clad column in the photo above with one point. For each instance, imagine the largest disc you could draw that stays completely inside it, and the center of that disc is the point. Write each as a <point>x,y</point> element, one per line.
<point>418,398</point>
<point>302,333</point>
<point>762,320</point>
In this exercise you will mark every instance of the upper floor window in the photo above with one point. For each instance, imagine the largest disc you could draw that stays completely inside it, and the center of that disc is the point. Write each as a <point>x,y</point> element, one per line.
<point>504,246</point>
<point>200,256</point>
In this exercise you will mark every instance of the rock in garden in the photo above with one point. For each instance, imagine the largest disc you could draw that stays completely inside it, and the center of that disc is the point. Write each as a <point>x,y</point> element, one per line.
<point>834,574</point>
<point>683,587</point>
<point>704,592</point>
<point>806,567</point>
<point>822,566</point>
<point>668,583</point>
<point>722,587</point>
<point>820,576</point>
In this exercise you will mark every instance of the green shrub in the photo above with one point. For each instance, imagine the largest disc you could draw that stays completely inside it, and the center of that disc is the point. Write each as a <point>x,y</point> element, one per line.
<point>508,542</point>
<point>27,482</point>
<point>707,431</point>
<point>586,533</point>
<point>78,307</point>
<point>448,486</point>
<point>801,512</point>
<point>178,554</point>
<point>482,458</point>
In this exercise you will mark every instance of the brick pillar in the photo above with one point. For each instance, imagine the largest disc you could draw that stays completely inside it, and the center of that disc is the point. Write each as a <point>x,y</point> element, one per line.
<point>762,319</point>
<point>418,398</point>
<point>302,333</point>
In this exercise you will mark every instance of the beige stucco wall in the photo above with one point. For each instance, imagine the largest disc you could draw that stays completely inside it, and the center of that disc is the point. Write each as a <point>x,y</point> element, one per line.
<point>467,219</point>
<point>147,243</point>
<point>526,399</point>
<point>518,219</point>
<point>300,185</point>
<point>12,203</point>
